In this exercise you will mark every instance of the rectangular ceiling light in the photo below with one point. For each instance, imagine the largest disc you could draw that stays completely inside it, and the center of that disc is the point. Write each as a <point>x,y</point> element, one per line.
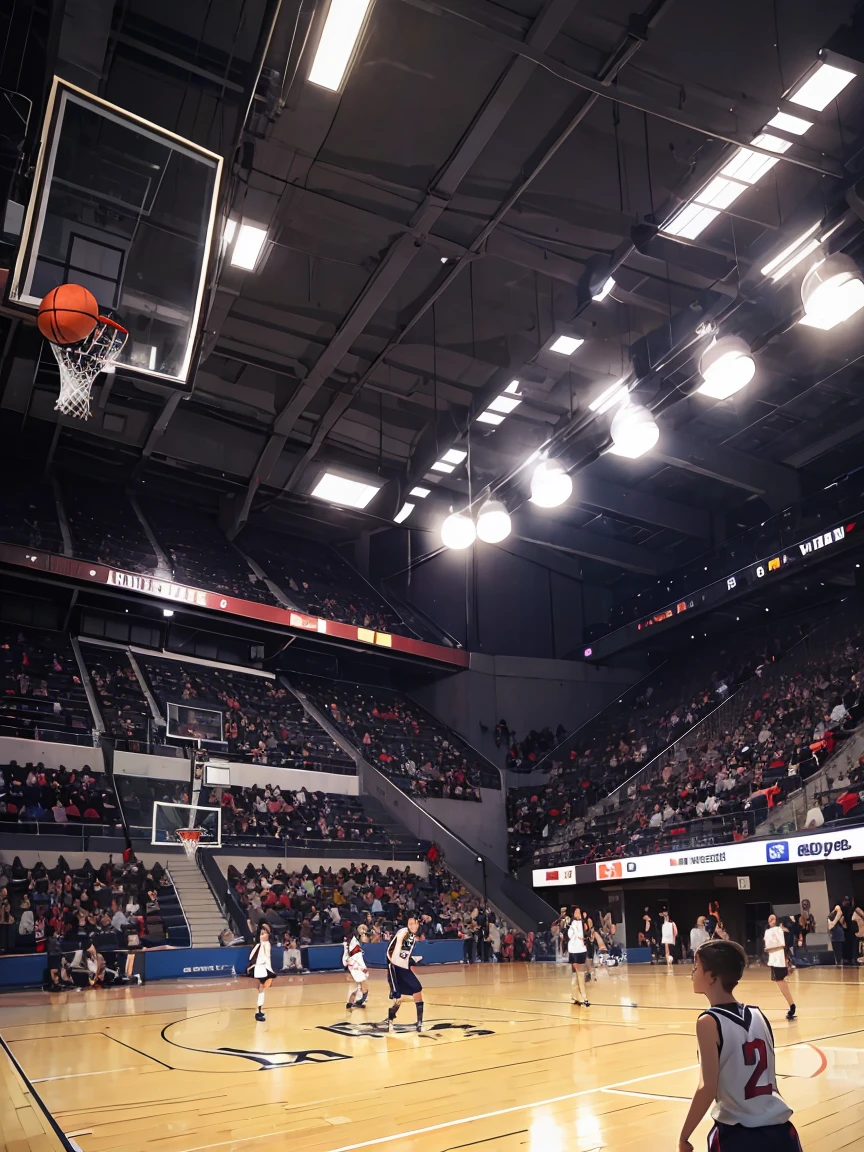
<point>720,192</point>
<point>783,257</point>
<point>821,86</point>
<point>690,221</point>
<point>566,345</point>
<point>341,490</point>
<point>228,232</point>
<point>609,398</point>
<point>605,290</point>
<point>748,166</point>
<point>422,493</point>
<point>403,513</point>
<point>490,418</point>
<point>247,248</point>
<point>440,466</point>
<point>454,456</point>
<point>513,386</point>
<point>505,404</point>
<point>795,259</point>
<point>339,38</point>
<point>796,125</point>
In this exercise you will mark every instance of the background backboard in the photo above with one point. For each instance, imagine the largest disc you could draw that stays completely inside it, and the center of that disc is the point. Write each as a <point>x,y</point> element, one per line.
<point>127,209</point>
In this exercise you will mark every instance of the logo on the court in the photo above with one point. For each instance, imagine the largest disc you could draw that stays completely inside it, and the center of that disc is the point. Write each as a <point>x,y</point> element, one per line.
<point>378,1031</point>
<point>777,852</point>
<point>269,1060</point>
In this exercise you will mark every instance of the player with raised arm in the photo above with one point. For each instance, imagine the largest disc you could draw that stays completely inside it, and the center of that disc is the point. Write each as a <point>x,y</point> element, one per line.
<point>736,1059</point>
<point>358,973</point>
<point>403,981</point>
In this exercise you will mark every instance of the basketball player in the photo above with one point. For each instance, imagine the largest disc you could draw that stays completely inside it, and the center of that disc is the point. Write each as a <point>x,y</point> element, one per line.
<point>775,946</point>
<point>403,981</point>
<point>358,974</point>
<point>668,937</point>
<point>260,968</point>
<point>736,1057</point>
<point>578,957</point>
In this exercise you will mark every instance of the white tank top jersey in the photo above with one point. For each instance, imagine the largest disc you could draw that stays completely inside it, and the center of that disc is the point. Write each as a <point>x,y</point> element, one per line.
<point>668,932</point>
<point>401,947</point>
<point>576,937</point>
<point>352,955</point>
<point>775,946</point>
<point>262,959</point>
<point>747,1086</point>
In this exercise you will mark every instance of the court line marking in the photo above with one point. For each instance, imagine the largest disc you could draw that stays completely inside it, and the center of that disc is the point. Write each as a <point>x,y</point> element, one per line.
<point>462,1119</point>
<point>643,1095</point>
<point>75,1075</point>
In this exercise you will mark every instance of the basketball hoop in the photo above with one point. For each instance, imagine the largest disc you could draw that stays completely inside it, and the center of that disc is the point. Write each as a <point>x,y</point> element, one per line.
<point>189,838</point>
<point>81,363</point>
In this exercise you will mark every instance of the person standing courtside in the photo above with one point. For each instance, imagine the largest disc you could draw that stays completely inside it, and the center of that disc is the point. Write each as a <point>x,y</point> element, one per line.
<point>776,947</point>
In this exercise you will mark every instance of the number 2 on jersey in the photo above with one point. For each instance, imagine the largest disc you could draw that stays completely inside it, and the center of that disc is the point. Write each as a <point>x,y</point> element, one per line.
<point>756,1052</point>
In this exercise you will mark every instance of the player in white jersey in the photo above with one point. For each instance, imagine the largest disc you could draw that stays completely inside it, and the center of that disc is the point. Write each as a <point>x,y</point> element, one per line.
<point>358,973</point>
<point>577,954</point>
<point>736,1058</point>
<point>403,981</point>
<point>775,946</point>
<point>668,938</point>
<point>260,967</point>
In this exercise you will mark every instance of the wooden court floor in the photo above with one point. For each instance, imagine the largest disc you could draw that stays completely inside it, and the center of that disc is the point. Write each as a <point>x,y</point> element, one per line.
<point>506,1064</point>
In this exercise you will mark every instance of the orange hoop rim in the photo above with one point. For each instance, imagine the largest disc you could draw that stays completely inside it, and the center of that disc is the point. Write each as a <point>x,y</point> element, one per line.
<point>193,834</point>
<point>113,323</point>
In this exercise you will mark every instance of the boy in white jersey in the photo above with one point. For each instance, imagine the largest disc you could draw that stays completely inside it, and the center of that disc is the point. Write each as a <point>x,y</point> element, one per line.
<point>577,954</point>
<point>775,946</point>
<point>358,973</point>
<point>400,974</point>
<point>736,1058</point>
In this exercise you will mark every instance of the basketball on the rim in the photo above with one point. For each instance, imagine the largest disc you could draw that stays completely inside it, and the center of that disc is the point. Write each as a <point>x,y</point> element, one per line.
<point>68,314</point>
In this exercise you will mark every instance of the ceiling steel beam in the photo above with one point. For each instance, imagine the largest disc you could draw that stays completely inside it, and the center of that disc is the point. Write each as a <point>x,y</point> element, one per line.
<point>643,506</point>
<point>405,248</point>
<point>777,485</point>
<point>592,545</point>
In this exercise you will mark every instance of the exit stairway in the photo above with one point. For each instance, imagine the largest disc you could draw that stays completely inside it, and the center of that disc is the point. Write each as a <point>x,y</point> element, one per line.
<point>198,903</point>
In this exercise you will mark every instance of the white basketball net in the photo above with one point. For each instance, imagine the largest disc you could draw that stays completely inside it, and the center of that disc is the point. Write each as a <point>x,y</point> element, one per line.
<point>81,363</point>
<point>189,838</point>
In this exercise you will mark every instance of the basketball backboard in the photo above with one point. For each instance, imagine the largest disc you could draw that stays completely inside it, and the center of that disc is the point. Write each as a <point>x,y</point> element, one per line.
<point>168,819</point>
<point>127,209</point>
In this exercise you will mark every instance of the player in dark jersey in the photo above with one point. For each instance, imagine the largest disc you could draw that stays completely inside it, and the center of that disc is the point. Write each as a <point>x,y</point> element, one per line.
<point>736,1057</point>
<point>400,973</point>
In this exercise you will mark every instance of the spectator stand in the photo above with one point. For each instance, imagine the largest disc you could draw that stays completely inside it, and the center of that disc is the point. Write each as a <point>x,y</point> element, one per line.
<point>129,716</point>
<point>28,513</point>
<point>108,531</point>
<point>44,694</point>
<point>76,804</point>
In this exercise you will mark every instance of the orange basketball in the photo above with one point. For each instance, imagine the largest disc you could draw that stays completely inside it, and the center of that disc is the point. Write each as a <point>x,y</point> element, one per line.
<point>68,314</point>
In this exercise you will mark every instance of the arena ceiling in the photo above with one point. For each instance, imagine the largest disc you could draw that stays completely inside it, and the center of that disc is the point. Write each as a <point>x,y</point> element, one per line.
<point>436,224</point>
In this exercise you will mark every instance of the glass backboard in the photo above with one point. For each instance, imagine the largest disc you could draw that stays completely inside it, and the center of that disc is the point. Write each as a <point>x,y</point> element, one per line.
<point>127,209</point>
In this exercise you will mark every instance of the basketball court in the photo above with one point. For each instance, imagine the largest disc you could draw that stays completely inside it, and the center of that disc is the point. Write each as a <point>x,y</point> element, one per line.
<point>505,1060</point>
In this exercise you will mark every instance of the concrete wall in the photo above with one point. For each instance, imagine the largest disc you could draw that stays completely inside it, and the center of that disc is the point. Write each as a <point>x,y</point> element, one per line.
<point>51,754</point>
<point>527,693</point>
<point>483,826</point>
<point>242,775</point>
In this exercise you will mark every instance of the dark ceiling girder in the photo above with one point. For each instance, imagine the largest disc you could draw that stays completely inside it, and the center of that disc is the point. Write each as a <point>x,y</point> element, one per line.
<point>810,452</point>
<point>643,506</point>
<point>778,485</point>
<point>580,542</point>
<point>629,97</point>
<point>403,250</point>
<point>549,558</point>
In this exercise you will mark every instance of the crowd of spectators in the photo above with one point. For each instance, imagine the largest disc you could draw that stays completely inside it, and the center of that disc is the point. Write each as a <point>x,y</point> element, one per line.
<point>43,696</point>
<point>416,751</point>
<point>309,907</point>
<point>65,797</point>
<point>524,754</point>
<point>121,699</point>
<point>107,530</point>
<point>199,554</point>
<point>317,580</point>
<point>263,721</point>
<point>86,920</point>
<point>766,727</point>
<point>264,815</point>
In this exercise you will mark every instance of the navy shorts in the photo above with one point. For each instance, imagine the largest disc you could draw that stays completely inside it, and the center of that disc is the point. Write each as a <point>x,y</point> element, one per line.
<point>403,982</point>
<point>577,957</point>
<point>770,1138</point>
<point>778,974</point>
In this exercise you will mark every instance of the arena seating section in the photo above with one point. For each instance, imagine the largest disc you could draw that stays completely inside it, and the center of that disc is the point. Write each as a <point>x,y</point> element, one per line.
<point>28,513</point>
<point>199,553</point>
<point>74,902</point>
<point>107,530</point>
<point>418,753</point>
<point>765,727</point>
<point>62,797</point>
<point>317,580</point>
<point>121,699</point>
<point>42,693</point>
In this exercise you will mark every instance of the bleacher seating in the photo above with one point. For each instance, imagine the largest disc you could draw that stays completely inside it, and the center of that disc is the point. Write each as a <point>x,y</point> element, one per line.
<point>263,721</point>
<point>60,800</point>
<point>121,699</point>
<point>28,513</point>
<point>419,753</point>
<point>737,747</point>
<point>318,581</point>
<point>66,909</point>
<point>199,554</point>
<point>43,696</point>
<point>103,529</point>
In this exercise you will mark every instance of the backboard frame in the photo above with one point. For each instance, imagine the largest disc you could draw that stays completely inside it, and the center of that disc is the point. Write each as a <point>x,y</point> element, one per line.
<point>17,293</point>
<point>157,804</point>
